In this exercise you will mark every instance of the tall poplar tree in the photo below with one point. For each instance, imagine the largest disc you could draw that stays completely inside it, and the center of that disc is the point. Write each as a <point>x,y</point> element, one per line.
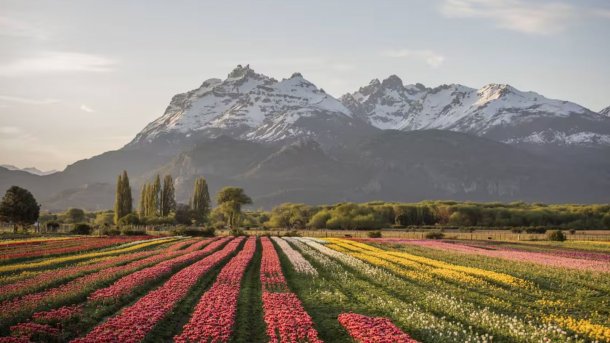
<point>168,200</point>
<point>156,196</point>
<point>123,200</point>
<point>142,207</point>
<point>200,204</point>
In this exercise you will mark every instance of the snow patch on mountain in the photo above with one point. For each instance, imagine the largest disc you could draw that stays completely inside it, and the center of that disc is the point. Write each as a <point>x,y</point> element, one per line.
<point>256,106</point>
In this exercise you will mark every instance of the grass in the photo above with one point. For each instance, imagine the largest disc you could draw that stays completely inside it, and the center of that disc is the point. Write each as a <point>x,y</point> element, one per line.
<point>250,325</point>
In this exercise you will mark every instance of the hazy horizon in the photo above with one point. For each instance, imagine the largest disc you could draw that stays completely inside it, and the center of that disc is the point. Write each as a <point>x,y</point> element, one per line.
<point>79,79</point>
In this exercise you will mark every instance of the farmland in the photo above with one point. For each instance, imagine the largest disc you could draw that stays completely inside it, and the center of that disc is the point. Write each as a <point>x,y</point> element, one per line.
<point>302,289</point>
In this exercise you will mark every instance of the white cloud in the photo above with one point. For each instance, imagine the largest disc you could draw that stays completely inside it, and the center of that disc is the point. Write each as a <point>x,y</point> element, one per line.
<point>530,17</point>
<point>28,101</point>
<point>17,28</point>
<point>431,58</point>
<point>57,62</point>
<point>10,130</point>
<point>86,108</point>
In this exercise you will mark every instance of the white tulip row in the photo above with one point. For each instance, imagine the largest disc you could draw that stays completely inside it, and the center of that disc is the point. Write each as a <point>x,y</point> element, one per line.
<point>300,264</point>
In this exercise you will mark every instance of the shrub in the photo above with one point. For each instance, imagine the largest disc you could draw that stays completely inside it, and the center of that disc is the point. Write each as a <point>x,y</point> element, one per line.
<point>556,235</point>
<point>133,232</point>
<point>572,231</point>
<point>535,230</point>
<point>292,233</point>
<point>516,230</point>
<point>237,232</point>
<point>434,235</point>
<point>130,219</point>
<point>52,226</point>
<point>82,229</point>
<point>194,231</point>
<point>374,234</point>
<point>107,231</point>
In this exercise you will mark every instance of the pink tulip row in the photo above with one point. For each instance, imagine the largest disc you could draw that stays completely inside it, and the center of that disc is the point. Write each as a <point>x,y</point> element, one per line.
<point>58,247</point>
<point>286,319</point>
<point>137,320</point>
<point>45,278</point>
<point>517,255</point>
<point>59,314</point>
<point>29,329</point>
<point>214,315</point>
<point>300,264</point>
<point>128,283</point>
<point>30,302</point>
<point>373,329</point>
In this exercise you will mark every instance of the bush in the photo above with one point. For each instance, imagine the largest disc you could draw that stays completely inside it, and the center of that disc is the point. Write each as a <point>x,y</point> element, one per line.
<point>556,235</point>
<point>52,226</point>
<point>133,232</point>
<point>434,235</point>
<point>107,231</point>
<point>194,231</point>
<point>292,233</point>
<point>516,230</point>
<point>130,219</point>
<point>237,232</point>
<point>82,229</point>
<point>535,230</point>
<point>374,234</point>
<point>572,231</point>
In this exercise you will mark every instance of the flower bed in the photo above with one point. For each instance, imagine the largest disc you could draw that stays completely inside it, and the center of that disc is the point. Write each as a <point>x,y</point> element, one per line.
<point>300,264</point>
<point>373,330</point>
<point>135,321</point>
<point>286,319</point>
<point>214,315</point>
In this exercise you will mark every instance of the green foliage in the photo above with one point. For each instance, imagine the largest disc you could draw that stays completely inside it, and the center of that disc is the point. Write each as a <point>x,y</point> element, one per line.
<point>74,215</point>
<point>104,219</point>
<point>556,235</point>
<point>19,207</point>
<point>184,215</point>
<point>167,200</point>
<point>230,200</point>
<point>82,229</point>
<point>52,226</point>
<point>129,231</point>
<point>374,234</point>
<point>237,232</point>
<point>194,231</point>
<point>123,200</point>
<point>201,203</point>
<point>318,220</point>
<point>129,219</point>
<point>293,216</point>
<point>434,235</point>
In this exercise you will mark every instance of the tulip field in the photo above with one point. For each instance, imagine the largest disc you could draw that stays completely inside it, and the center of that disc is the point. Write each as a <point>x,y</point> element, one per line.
<point>300,289</point>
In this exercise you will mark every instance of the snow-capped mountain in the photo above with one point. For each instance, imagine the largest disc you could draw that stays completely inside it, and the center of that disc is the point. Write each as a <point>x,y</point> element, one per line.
<point>31,170</point>
<point>250,106</point>
<point>496,111</point>
<point>605,111</point>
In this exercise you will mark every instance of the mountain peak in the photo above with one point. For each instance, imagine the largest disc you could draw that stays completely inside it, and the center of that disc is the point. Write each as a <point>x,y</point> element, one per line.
<point>605,112</point>
<point>241,72</point>
<point>392,82</point>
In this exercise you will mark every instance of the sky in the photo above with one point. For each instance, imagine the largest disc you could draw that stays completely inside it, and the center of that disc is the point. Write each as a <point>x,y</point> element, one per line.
<point>78,78</point>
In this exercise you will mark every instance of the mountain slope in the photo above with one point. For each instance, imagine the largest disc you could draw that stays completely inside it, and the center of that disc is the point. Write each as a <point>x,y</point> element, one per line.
<point>496,111</point>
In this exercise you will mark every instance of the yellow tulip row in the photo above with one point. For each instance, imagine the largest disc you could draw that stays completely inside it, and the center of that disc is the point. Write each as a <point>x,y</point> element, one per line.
<point>64,259</point>
<point>460,273</point>
<point>582,326</point>
<point>36,239</point>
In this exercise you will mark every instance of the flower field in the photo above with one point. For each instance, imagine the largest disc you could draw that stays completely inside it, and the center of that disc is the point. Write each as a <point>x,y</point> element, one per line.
<point>296,289</point>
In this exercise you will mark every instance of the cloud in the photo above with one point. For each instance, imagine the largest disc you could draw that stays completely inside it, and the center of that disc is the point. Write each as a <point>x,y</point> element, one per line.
<point>530,17</point>
<point>431,58</point>
<point>86,108</point>
<point>57,62</point>
<point>17,28</point>
<point>28,101</point>
<point>10,130</point>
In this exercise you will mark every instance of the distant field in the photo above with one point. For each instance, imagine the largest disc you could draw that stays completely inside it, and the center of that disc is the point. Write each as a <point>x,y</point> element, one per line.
<point>296,289</point>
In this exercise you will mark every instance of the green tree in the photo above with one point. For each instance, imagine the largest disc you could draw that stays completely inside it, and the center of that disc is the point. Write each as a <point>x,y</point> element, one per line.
<point>230,200</point>
<point>123,200</point>
<point>20,207</point>
<point>104,219</point>
<point>156,196</point>
<point>200,204</point>
<point>74,215</point>
<point>142,204</point>
<point>168,199</point>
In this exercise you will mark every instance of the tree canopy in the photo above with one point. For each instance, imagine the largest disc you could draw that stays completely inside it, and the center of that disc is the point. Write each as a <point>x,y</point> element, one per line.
<point>19,207</point>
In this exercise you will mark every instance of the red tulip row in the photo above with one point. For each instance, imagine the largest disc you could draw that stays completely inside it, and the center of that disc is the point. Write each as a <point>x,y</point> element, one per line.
<point>286,319</point>
<point>137,320</point>
<point>214,315</point>
<point>29,329</point>
<point>58,247</point>
<point>59,314</point>
<point>200,244</point>
<point>141,277</point>
<point>43,279</point>
<point>79,286</point>
<point>373,329</point>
